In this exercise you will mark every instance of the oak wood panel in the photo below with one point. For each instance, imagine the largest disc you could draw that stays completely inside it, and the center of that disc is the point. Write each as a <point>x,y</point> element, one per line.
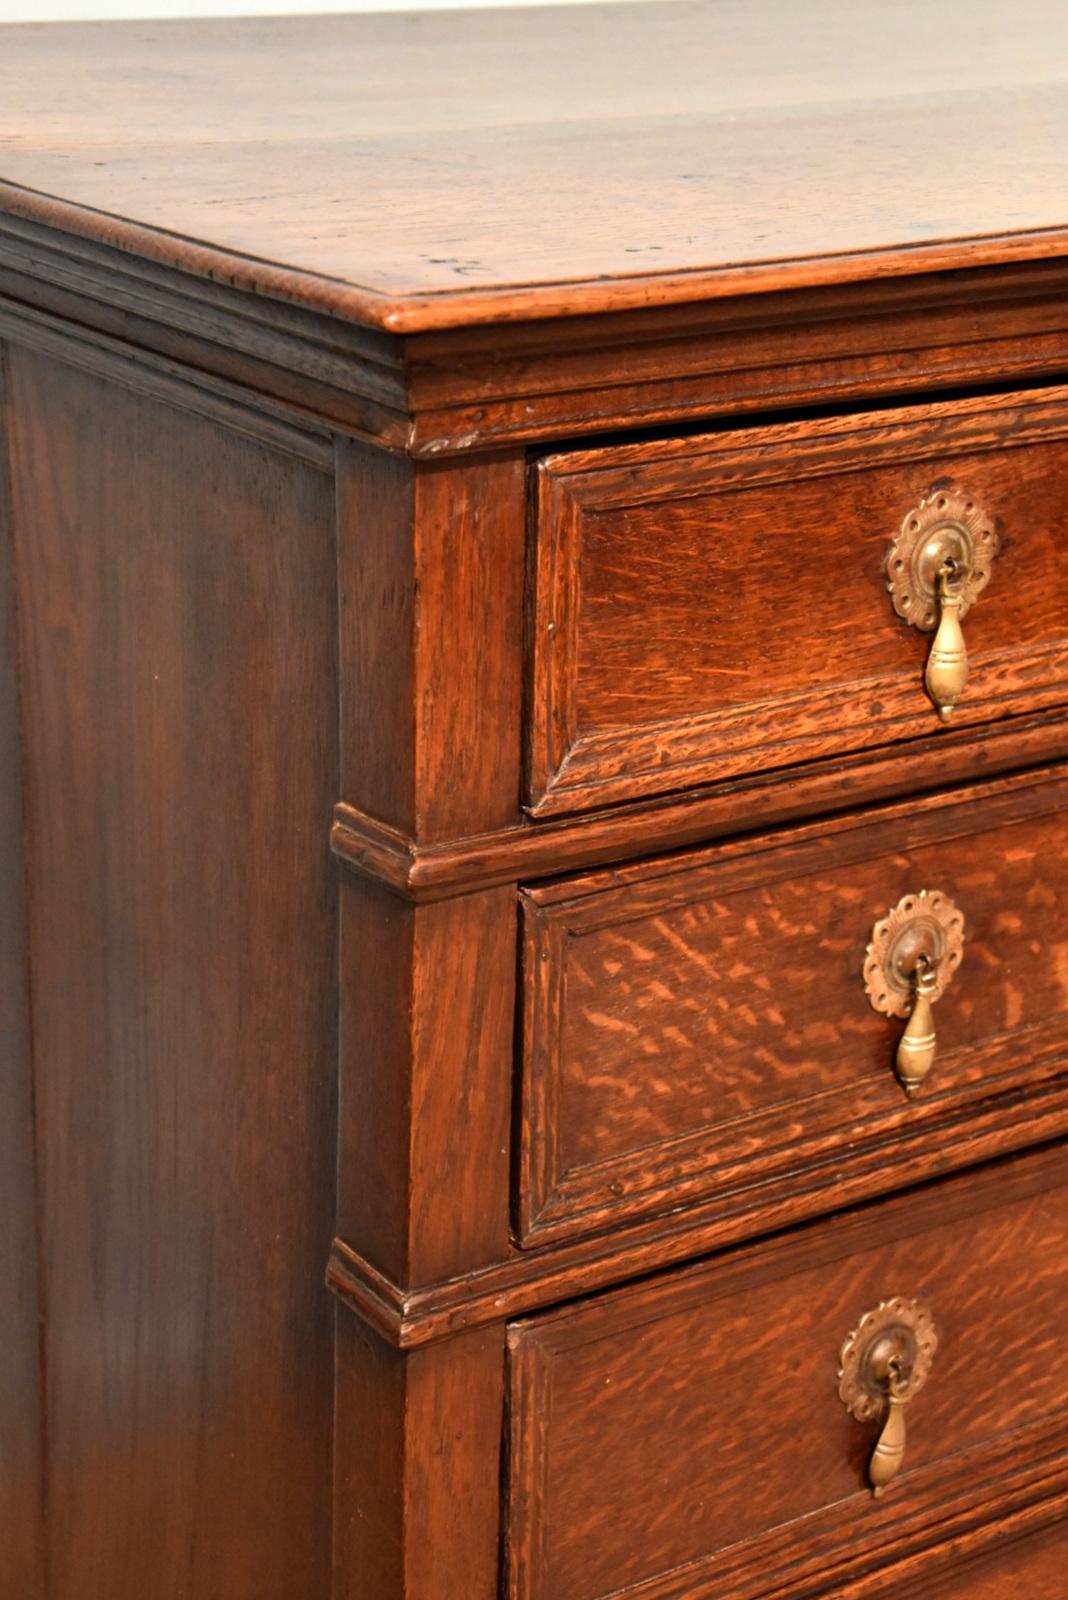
<point>561,844</point>
<point>531,1278</point>
<point>697,1025</point>
<point>22,1459</point>
<point>177,593</point>
<point>755,352</point>
<point>319,367</point>
<point>712,1394</point>
<point>430,577</point>
<point>1019,1545</point>
<point>472,388</point>
<point>161,378</point>
<point>417,1496</point>
<point>1034,1567</point>
<point>377,623</point>
<point>512,166</point>
<point>431,573</point>
<point>718,605</point>
<point>426,1088</point>
<point>470,188</point>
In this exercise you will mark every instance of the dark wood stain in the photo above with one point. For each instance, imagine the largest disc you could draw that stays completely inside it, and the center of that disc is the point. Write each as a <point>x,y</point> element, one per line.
<point>184,1086</point>
<point>426,1088</point>
<point>22,1460</point>
<point>431,586</point>
<point>417,1498</point>
<point>1036,1567</point>
<point>533,849</point>
<point>473,388</point>
<point>470,442</point>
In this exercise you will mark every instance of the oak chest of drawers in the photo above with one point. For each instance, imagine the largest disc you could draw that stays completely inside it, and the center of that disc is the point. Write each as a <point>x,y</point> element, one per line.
<point>534,738</point>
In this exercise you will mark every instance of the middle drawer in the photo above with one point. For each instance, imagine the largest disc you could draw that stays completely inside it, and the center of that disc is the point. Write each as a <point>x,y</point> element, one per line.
<point>714,1023</point>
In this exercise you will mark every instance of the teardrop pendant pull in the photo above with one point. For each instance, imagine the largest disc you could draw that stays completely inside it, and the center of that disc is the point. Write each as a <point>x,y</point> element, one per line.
<point>947,664</point>
<point>883,1365</point>
<point>889,1452</point>
<point>916,1048</point>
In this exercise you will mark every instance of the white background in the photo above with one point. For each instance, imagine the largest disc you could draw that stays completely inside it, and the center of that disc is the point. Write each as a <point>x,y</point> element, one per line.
<point>85,10</point>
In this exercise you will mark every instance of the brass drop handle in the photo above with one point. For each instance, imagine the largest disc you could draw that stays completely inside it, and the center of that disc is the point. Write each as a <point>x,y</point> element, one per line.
<point>883,1364</point>
<point>917,1045</point>
<point>937,565</point>
<point>947,662</point>
<point>888,1456</point>
<point>914,952</point>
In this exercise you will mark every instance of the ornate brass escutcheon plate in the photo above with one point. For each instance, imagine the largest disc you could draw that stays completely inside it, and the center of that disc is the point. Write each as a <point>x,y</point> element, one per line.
<point>914,951</point>
<point>897,1327</point>
<point>923,924</point>
<point>883,1365</point>
<point>948,525</point>
<point>935,568</point>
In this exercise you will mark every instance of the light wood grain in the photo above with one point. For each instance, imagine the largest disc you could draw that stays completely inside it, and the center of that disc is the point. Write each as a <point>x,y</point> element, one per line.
<point>420,170</point>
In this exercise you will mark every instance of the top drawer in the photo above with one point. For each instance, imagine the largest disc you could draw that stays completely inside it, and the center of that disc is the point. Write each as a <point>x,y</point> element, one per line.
<point>719,605</point>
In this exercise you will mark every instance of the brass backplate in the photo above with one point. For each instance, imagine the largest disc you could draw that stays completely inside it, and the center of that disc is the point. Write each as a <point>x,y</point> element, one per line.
<point>926,923</point>
<point>947,525</point>
<point>897,1327</point>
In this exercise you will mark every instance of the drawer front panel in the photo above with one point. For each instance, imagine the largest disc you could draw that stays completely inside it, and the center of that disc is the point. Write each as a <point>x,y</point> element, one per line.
<point>668,1440</point>
<point>699,1026</point>
<point>719,605</point>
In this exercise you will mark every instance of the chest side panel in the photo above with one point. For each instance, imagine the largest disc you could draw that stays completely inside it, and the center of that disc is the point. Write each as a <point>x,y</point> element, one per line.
<point>176,587</point>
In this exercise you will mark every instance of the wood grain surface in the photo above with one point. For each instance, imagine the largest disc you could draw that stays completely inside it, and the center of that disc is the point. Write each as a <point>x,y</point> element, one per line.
<point>418,171</point>
<point>673,1440</point>
<point>22,1459</point>
<point>716,605</point>
<point>431,577</point>
<point>180,749</point>
<point>535,848</point>
<point>476,388</point>
<point>289,311</point>
<point>426,1086</point>
<point>694,1025</point>
<point>1038,1567</point>
<point>416,1482</point>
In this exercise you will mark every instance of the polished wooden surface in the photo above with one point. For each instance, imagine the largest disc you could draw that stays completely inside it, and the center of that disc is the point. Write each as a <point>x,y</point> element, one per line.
<point>1034,1568</point>
<point>719,605</point>
<point>340,360</point>
<point>416,1467</point>
<point>180,757</point>
<point>475,388</point>
<point>425,1097</point>
<point>531,849</point>
<point>431,563</point>
<point>671,1440</point>
<point>418,171</point>
<point>693,1023</point>
<point>22,1460</point>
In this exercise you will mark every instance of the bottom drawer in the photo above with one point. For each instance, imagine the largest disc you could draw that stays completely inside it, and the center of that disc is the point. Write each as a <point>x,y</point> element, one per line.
<point>686,1438</point>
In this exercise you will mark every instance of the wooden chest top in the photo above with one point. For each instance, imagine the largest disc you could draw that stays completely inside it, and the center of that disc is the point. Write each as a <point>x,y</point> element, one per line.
<point>425,171</point>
